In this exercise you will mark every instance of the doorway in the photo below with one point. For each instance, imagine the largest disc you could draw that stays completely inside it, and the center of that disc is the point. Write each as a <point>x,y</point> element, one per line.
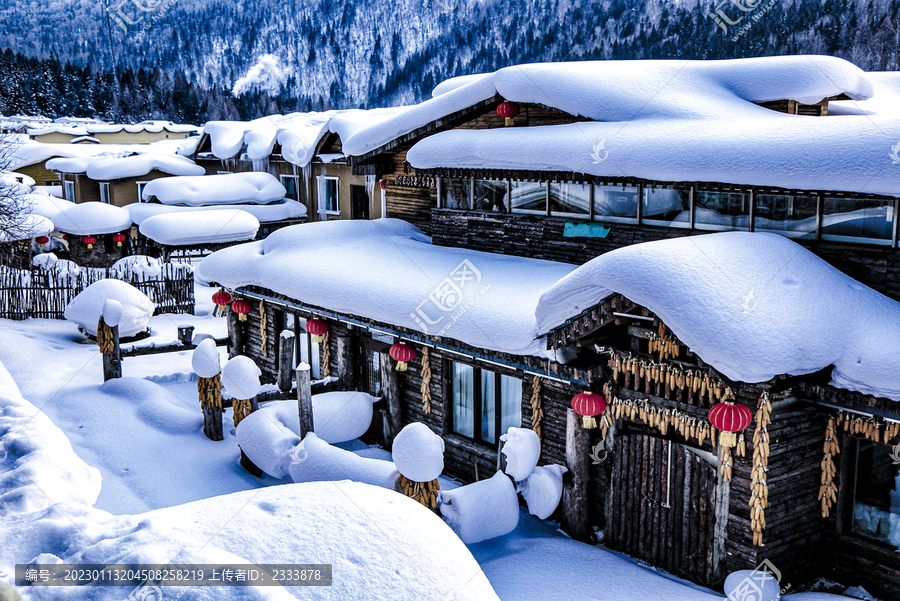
<point>359,202</point>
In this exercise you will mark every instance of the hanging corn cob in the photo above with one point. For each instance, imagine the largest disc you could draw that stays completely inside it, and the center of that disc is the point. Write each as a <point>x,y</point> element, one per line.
<point>537,413</point>
<point>263,330</point>
<point>827,489</point>
<point>425,389</point>
<point>759,490</point>
<point>326,354</point>
<point>425,493</point>
<point>105,338</point>
<point>241,408</point>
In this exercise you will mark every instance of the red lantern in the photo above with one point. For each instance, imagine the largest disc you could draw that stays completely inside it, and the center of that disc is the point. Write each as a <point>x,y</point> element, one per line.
<point>508,110</point>
<point>383,184</point>
<point>729,418</point>
<point>119,238</point>
<point>222,298</point>
<point>402,353</point>
<point>66,237</point>
<point>42,240</point>
<point>317,328</point>
<point>89,240</point>
<point>588,405</point>
<point>241,307</point>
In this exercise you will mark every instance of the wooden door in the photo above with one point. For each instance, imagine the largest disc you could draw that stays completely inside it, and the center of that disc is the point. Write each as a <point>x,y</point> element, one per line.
<point>359,200</point>
<point>662,506</point>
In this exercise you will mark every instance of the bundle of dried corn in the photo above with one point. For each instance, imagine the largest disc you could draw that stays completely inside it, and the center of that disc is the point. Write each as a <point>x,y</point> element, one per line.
<point>537,413</point>
<point>426,382</point>
<point>759,490</point>
<point>105,338</point>
<point>241,408</point>
<point>210,391</point>
<point>661,418</point>
<point>891,431</point>
<point>675,377</point>
<point>425,493</point>
<point>263,329</point>
<point>326,354</point>
<point>663,342</point>
<point>828,490</point>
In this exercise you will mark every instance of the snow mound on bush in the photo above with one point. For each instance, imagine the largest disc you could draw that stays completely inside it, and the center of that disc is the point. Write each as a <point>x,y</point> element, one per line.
<point>543,490</point>
<point>482,510</point>
<point>240,378</point>
<point>85,309</point>
<point>267,443</point>
<point>419,453</point>
<point>522,449</point>
<point>342,416</point>
<point>314,460</point>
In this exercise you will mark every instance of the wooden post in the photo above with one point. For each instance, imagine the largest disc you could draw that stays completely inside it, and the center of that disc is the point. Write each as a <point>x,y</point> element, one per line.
<point>304,400</point>
<point>390,390</point>
<point>346,361</point>
<point>285,360</point>
<point>210,392</point>
<point>575,489</point>
<point>112,362</point>
<point>186,336</point>
<point>235,334</point>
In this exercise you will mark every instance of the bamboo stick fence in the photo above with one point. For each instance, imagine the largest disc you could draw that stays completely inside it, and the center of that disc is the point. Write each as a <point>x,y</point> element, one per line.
<point>44,293</point>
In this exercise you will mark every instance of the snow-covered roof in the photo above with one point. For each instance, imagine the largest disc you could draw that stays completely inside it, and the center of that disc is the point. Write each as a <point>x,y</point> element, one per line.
<point>201,226</point>
<point>92,218</point>
<point>229,188</point>
<point>678,121</point>
<point>80,128</point>
<point>387,270</point>
<point>752,305</point>
<point>30,152</point>
<point>276,211</point>
<point>46,205</point>
<point>136,165</point>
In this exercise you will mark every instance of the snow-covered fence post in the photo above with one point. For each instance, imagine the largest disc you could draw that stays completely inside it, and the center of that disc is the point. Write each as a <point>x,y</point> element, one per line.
<point>241,378</point>
<point>390,390</point>
<point>285,360</point>
<point>575,491</point>
<point>304,400</point>
<point>108,339</point>
<point>205,362</point>
<point>186,335</point>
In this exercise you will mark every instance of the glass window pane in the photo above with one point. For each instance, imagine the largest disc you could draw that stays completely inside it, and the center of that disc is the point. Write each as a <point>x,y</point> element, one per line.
<point>856,218</point>
<point>488,405</point>
<point>331,194</point>
<point>529,197</point>
<point>792,216</point>
<point>463,379</point>
<point>510,403</point>
<point>570,199</point>
<point>876,503</point>
<point>722,211</point>
<point>455,194</point>
<point>666,207</point>
<point>290,186</point>
<point>615,203</point>
<point>490,195</point>
<point>309,350</point>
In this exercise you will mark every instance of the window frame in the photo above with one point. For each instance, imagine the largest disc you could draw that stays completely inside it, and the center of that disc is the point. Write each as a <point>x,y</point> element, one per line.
<point>140,187</point>
<point>321,182</point>
<point>69,190</point>
<point>478,373</point>
<point>283,177</point>
<point>105,196</point>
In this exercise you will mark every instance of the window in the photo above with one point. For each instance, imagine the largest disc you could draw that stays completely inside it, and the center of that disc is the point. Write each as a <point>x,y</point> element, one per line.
<point>70,190</point>
<point>305,351</point>
<point>876,498</point>
<point>140,187</point>
<point>328,195</point>
<point>491,195</point>
<point>455,194</point>
<point>290,185</point>
<point>666,207</point>
<point>104,192</point>
<point>571,200</point>
<point>528,197</point>
<point>791,216</point>
<point>484,402</point>
<point>857,219</point>
<point>722,211</point>
<point>617,204</point>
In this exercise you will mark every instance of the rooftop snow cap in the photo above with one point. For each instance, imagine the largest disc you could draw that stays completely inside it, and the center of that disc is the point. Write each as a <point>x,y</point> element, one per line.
<point>230,188</point>
<point>136,165</point>
<point>91,218</point>
<point>752,305</point>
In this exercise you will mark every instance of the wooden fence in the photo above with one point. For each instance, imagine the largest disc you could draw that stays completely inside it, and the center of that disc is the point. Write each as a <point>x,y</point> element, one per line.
<point>44,293</point>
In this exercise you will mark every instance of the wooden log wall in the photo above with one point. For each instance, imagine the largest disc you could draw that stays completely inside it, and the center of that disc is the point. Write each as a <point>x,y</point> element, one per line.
<point>406,202</point>
<point>253,340</point>
<point>542,238</point>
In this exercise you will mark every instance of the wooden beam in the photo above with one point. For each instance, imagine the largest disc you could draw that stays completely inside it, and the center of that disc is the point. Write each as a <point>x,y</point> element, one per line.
<point>304,400</point>
<point>390,390</point>
<point>285,360</point>
<point>575,489</point>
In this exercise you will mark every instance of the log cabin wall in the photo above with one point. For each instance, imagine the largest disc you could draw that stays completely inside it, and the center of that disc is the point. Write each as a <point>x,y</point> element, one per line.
<point>268,362</point>
<point>542,238</point>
